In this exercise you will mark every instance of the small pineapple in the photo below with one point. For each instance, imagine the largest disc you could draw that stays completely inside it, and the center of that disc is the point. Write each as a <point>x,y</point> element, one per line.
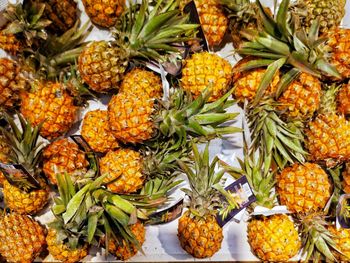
<point>342,240</point>
<point>343,99</point>
<point>303,188</point>
<point>50,103</point>
<point>96,131</point>
<point>142,82</point>
<point>22,238</point>
<point>206,70</point>
<point>63,156</point>
<point>10,43</point>
<point>25,193</point>
<point>104,13</point>
<point>11,83</point>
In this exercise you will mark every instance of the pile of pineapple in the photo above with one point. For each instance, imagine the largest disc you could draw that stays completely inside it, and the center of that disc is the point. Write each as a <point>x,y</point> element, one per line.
<point>292,81</point>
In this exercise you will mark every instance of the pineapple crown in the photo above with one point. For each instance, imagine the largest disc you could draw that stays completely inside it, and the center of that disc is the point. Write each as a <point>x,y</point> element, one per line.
<point>206,186</point>
<point>26,150</point>
<point>240,10</point>
<point>151,34</point>
<point>284,43</point>
<point>26,22</point>
<point>181,116</point>
<point>328,103</point>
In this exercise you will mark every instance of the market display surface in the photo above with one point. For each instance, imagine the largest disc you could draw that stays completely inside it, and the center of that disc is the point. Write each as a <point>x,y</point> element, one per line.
<point>174,130</point>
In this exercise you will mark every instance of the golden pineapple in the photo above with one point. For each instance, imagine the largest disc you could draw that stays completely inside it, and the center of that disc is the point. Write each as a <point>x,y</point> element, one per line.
<point>125,167</point>
<point>130,117</point>
<point>63,156</point>
<point>343,99</point>
<point>96,131</point>
<point>62,252</point>
<point>104,13</point>
<point>273,238</point>
<point>342,240</point>
<point>22,238</point>
<point>123,250</point>
<point>50,103</point>
<point>213,21</point>
<point>346,179</point>
<point>11,83</point>
<point>206,70</point>
<point>303,187</point>
<point>142,82</point>
<point>102,66</point>
<point>10,43</point>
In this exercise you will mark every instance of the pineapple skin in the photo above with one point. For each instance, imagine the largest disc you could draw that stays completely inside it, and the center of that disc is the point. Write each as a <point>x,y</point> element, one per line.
<point>130,117</point>
<point>327,139</point>
<point>343,99</point>
<point>4,156</point>
<point>101,66</point>
<point>63,156</point>
<point>23,202</point>
<point>303,187</point>
<point>96,132</point>
<point>11,83</point>
<point>141,83</point>
<point>206,70</point>
<point>126,251</point>
<point>273,238</point>
<point>342,241</point>
<point>10,43</point>
<point>62,252</point>
<point>104,13</point>
<point>49,103</point>
<point>126,165</point>
<point>200,237</point>
<point>22,238</point>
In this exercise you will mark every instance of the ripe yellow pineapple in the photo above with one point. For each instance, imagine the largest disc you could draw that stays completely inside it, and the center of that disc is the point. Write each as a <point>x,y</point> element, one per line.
<point>104,13</point>
<point>22,238</point>
<point>10,43</point>
<point>11,83</point>
<point>212,19</point>
<point>343,99</point>
<point>142,82</point>
<point>63,156</point>
<point>61,251</point>
<point>273,238</point>
<point>96,131</point>
<point>125,167</point>
<point>50,103</point>
<point>124,251</point>
<point>206,70</point>
<point>303,187</point>
<point>342,239</point>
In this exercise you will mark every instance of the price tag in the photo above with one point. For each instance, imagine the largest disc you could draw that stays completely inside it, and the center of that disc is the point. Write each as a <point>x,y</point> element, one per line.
<point>166,215</point>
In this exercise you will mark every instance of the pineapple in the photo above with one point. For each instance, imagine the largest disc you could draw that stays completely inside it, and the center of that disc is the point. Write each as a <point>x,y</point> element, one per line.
<point>11,83</point>
<point>25,193</point>
<point>198,231</point>
<point>346,179</point>
<point>50,103</point>
<point>4,155</point>
<point>327,136</point>
<point>303,188</point>
<point>10,43</point>
<point>63,156</point>
<point>102,64</point>
<point>104,13</point>
<point>212,19</point>
<point>125,165</point>
<point>342,239</point>
<point>22,238</point>
<point>142,82</point>
<point>206,70</point>
<point>136,119</point>
<point>96,131</point>
<point>343,99</point>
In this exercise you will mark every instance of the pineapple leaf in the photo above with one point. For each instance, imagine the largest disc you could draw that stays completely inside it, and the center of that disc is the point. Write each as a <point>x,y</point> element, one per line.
<point>74,203</point>
<point>282,17</point>
<point>286,80</point>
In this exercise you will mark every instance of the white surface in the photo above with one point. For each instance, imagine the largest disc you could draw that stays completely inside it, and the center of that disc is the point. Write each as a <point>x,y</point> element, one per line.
<point>161,241</point>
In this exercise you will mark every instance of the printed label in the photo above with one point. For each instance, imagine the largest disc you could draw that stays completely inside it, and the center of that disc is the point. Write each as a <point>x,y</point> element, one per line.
<point>18,171</point>
<point>166,215</point>
<point>343,212</point>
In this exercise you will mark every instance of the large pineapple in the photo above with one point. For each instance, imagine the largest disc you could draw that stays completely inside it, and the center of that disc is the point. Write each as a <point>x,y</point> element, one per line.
<point>11,83</point>
<point>96,131</point>
<point>50,103</point>
<point>22,238</point>
<point>63,156</point>
<point>102,64</point>
<point>212,19</point>
<point>343,99</point>
<point>303,188</point>
<point>206,70</point>
<point>104,13</point>
<point>25,193</point>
